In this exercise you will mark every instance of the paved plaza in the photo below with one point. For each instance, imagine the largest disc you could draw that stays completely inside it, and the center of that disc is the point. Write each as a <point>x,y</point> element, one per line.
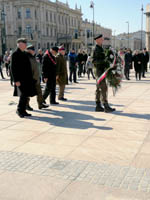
<point>71,152</point>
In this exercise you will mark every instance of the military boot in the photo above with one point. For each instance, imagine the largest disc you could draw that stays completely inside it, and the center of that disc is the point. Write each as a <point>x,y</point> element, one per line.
<point>107,108</point>
<point>99,107</point>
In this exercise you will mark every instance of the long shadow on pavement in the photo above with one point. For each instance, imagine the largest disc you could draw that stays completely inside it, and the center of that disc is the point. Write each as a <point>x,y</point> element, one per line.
<point>67,119</point>
<point>83,105</point>
<point>133,115</point>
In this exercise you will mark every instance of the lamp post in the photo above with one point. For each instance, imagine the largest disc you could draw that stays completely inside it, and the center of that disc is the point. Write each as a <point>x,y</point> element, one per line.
<point>114,39</point>
<point>128,32</point>
<point>142,9</point>
<point>3,31</point>
<point>92,6</point>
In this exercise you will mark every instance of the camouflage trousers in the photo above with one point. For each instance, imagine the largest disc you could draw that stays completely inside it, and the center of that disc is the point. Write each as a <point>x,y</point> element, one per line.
<point>101,94</point>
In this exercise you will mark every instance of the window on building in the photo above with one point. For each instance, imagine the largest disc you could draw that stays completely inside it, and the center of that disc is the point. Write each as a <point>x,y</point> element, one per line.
<point>28,29</point>
<point>76,35</point>
<point>35,13</point>
<point>54,17</point>
<point>47,31</point>
<point>36,27</point>
<point>19,13</point>
<point>48,45</point>
<point>52,32</point>
<point>46,16</point>
<point>19,30</point>
<point>28,13</point>
<point>88,33</point>
<point>51,17</point>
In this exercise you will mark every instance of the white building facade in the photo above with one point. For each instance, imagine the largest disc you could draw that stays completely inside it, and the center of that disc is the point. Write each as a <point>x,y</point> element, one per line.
<point>42,22</point>
<point>87,35</point>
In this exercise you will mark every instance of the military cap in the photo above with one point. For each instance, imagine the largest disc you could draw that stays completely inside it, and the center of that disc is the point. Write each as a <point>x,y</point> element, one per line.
<point>31,47</point>
<point>61,49</point>
<point>98,36</point>
<point>23,40</point>
<point>55,49</point>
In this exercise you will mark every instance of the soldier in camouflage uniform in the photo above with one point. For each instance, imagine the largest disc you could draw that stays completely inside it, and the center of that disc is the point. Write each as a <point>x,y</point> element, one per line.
<point>100,63</point>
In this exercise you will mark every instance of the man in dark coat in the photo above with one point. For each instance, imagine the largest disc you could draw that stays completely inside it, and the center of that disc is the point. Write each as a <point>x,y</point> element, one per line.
<point>128,64</point>
<point>24,84</point>
<point>100,63</point>
<point>145,60</point>
<point>49,74</point>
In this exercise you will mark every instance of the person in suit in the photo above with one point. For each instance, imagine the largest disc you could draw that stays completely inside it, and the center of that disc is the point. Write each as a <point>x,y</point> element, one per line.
<point>49,74</point>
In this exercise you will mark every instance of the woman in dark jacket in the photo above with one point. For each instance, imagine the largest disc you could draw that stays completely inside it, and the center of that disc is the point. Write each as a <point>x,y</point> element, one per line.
<point>137,59</point>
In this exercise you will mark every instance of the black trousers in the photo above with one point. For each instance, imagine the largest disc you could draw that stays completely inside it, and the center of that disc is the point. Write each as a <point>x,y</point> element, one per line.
<point>1,72</point>
<point>144,69</point>
<point>80,70</point>
<point>50,90</point>
<point>90,71</point>
<point>22,103</point>
<point>127,72</point>
<point>73,73</point>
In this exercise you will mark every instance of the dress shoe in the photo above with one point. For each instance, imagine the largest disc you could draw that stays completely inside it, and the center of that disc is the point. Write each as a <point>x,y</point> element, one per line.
<point>62,99</point>
<point>21,115</point>
<point>28,107</point>
<point>54,102</point>
<point>26,114</point>
<point>76,82</point>
<point>43,106</point>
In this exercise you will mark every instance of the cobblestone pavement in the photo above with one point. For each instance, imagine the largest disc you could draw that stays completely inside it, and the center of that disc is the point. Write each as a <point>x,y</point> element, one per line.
<point>101,174</point>
<point>71,152</point>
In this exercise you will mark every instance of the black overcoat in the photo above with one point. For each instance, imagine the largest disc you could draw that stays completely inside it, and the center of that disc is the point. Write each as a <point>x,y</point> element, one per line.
<point>128,60</point>
<point>49,67</point>
<point>22,72</point>
<point>137,59</point>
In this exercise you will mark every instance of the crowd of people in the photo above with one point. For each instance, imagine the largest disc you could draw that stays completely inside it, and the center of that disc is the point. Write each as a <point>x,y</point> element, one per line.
<point>138,60</point>
<point>27,69</point>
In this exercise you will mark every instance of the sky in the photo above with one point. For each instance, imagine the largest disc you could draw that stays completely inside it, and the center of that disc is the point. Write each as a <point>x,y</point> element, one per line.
<point>114,14</point>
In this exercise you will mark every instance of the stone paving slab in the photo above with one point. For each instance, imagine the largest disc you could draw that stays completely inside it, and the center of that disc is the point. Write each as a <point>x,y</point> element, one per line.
<point>103,174</point>
<point>71,152</point>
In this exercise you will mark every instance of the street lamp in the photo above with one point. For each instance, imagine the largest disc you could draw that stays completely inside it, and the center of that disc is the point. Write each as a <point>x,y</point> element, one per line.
<point>128,32</point>
<point>114,39</point>
<point>92,6</point>
<point>3,31</point>
<point>142,9</point>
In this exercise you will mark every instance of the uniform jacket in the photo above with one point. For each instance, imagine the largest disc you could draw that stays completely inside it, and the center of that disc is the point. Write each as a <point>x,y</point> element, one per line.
<point>61,69</point>
<point>21,72</point>
<point>99,61</point>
